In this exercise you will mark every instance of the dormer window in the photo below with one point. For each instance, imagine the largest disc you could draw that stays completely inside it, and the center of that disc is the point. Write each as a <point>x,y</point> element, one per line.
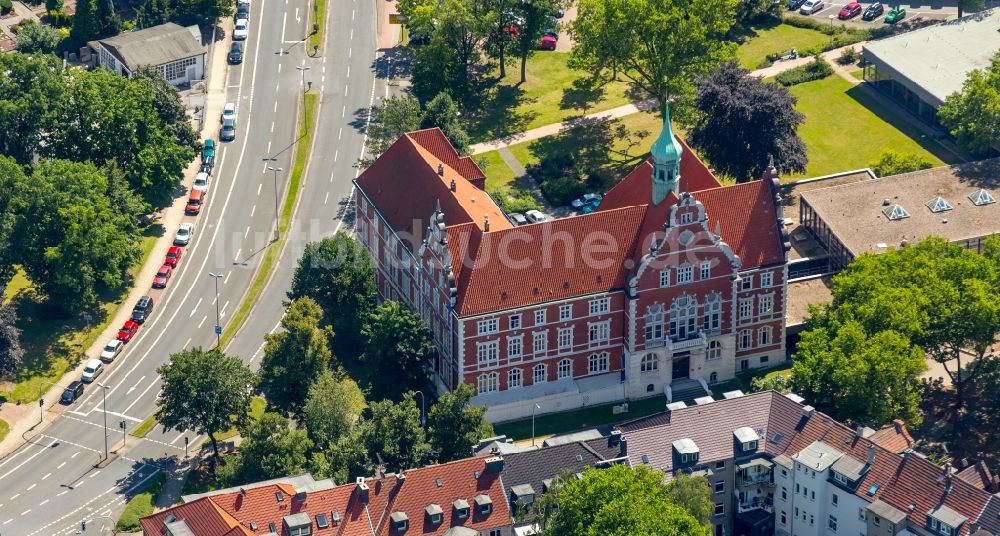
<point>686,218</point>
<point>461,508</point>
<point>522,495</point>
<point>434,513</point>
<point>687,451</point>
<point>400,521</point>
<point>484,504</point>
<point>749,446</point>
<point>747,437</point>
<point>945,521</point>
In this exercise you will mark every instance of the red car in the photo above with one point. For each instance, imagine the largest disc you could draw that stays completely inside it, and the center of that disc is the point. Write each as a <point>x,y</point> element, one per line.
<point>173,256</point>
<point>548,43</point>
<point>128,331</point>
<point>850,11</point>
<point>162,276</point>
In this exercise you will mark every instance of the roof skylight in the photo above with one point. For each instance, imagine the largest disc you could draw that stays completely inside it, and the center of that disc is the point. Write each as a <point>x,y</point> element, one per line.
<point>895,212</point>
<point>981,197</point>
<point>938,204</point>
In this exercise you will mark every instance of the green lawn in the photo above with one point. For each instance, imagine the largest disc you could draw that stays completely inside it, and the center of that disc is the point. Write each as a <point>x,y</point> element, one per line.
<point>200,480</point>
<point>572,421</point>
<point>780,38</point>
<point>55,344</point>
<point>553,92</point>
<point>742,381</point>
<point>318,17</point>
<point>498,173</point>
<point>846,129</point>
<point>257,407</point>
<point>4,428</point>
<point>140,505</point>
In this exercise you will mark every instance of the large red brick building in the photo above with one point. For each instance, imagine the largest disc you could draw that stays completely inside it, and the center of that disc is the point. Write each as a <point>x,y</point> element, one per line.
<point>675,279</point>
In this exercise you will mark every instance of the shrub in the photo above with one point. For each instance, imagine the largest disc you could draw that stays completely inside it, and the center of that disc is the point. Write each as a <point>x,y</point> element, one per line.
<point>562,191</point>
<point>809,24</point>
<point>6,6</point>
<point>814,70</point>
<point>128,25</point>
<point>848,56</point>
<point>893,163</point>
<point>765,63</point>
<point>554,166</point>
<point>515,200</point>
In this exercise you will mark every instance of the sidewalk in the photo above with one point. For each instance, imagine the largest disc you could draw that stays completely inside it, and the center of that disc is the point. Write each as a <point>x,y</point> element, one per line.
<point>24,418</point>
<point>614,113</point>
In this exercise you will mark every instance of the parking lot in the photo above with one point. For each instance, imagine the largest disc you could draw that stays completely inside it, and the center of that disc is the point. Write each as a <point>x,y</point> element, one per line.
<point>932,10</point>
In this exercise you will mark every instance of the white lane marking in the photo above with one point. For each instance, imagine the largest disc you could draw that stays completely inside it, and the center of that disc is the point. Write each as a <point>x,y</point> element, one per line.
<point>195,308</point>
<point>61,493</point>
<point>26,511</point>
<point>48,475</point>
<point>136,386</point>
<point>150,386</point>
<point>16,495</point>
<point>246,233</point>
<point>202,322</point>
<point>226,280</point>
<point>348,71</point>
<point>352,34</point>
<point>336,153</point>
<point>279,67</point>
<point>31,487</point>
<point>344,111</point>
<point>272,127</point>
<point>95,473</point>
<point>284,20</point>
<point>345,89</point>
<point>186,343</point>
<point>352,14</point>
<point>74,455</point>
<point>254,208</point>
<point>32,457</point>
<point>268,147</point>
<point>179,436</point>
<point>223,312</point>
<point>261,184</point>
<point>341,133</point>
<point>61,466</point>
<point>8,521</point>
<point>327,198</point>
<point>275,106</point>
<point>96,497</point>
<point>364,141</point>
<point>43,502</point>
<point>236,258</point>
<point>297,18</point>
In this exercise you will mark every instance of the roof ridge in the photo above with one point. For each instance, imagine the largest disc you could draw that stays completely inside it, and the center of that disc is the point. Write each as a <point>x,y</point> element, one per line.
<point>589,449</point>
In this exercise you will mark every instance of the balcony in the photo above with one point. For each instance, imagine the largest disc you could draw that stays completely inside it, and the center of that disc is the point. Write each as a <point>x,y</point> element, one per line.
<point>755,479</point>
<point>698,340</point>
<point>755,503</point>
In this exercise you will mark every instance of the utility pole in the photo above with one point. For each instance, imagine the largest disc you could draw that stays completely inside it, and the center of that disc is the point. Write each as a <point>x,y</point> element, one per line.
<point>302,69</point>
<point>104,397</point>
<point>218,315</point>
<point>277,229</point>
<point>533,408</point>
<point>423,418</point>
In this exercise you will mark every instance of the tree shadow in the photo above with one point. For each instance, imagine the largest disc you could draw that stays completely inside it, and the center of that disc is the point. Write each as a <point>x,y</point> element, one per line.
<point>492,112</point>
<point>604,147</point>
<point>741,33</point>
<point>393,63</point>
<point>583,94</point>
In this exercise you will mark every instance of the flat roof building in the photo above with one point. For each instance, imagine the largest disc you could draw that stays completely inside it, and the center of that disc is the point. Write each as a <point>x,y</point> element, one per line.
<point>175,50</point>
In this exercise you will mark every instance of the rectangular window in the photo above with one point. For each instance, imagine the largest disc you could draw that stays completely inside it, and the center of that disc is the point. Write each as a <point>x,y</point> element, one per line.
<point>766,304</point>
<point>861,514</point>
<point>784,493</point>
<point>488,326</point>
<point>877,521</point>
<point>600,306</point>
<point>747,282</point>
<point>665,278</point>
<point>565,312</point>
<point>720,486</point>
<point>686,218</point>
<point>565,369</point>
<point>539,317</point>
<point>766,280</point>
<point>720,466</point>
<point>565,338</point>
<point>720,508</point>
<point>685,274</point>
<point>488,352</point>
<point>812,519</point>
<point>764,337</point>
<point>515,321</point>
<point>597,363</point>
<point>706,269</point>
<point>834,499</point>
<point>797,488</point>
<point>600,332</point>
<point>746,308</point>
<point>515,347</point>
<point>745,339</point>
<point>784,518</point>
<point>540,342</point>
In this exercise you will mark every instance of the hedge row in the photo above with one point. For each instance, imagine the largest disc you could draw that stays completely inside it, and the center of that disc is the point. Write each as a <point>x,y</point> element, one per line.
<point>813,70</point>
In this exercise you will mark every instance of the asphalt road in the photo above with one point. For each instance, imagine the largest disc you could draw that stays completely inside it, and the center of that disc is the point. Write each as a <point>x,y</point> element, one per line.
<point>55,480</point>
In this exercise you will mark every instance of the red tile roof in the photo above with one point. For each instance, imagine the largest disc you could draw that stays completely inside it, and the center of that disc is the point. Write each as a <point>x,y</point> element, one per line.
<point>894,437</point>
<point>201,516</point>
<point>437,144</point>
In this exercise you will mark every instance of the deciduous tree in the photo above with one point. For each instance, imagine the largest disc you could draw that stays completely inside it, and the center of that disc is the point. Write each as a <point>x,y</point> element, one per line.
<point>662,46</point>
<point>619,501</point>
<point>11,352</point>
<point>536,16</point>
<point>455,425</point>
<point>393,434</point>
<point>972,114</point>
<point>270,449</point>
<point>32,86</point>
<point>295,356</point>
<point>965,6</point>
<point>743,121</point>
<point>204,391</point>
<point>693,494</point>
<point>442,112</point>
<point>393,118</point>
<point>35,37</point>
<point>332,407</point>
<point>338,274</point>
<point>11,179</point>
<point>86,25</point>
<point>398,351</point>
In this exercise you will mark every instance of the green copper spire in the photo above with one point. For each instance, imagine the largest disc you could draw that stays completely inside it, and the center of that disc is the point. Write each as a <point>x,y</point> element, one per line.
<point>666,160</point>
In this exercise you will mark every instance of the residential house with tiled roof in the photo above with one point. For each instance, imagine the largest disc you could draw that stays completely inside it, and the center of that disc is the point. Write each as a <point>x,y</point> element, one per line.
<point>674,281</point>
<point>460,498</point>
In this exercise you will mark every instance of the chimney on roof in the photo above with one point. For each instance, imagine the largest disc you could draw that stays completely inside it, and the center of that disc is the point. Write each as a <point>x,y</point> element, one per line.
<point>453,185</point>
<point>361,488</point>
<point>494,464</point>
<point>858,431</point>
<point>807,411</point>
<point>623,447</point>
<point>486,222</point>
<point>441,169</point>
<point>614,438</point>
<point>244,492</point>
<point>871,454</point>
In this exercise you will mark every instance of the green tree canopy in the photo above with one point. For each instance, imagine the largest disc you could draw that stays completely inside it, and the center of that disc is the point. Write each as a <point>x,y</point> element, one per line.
<point>398,351</point>
<point>460,28</point>
<point>344,460</point>
<point>295,356</point>
<point>11,178</point>
<point>11,352</point>
<point>619,501</point>
<point>661,46</point>
<point>693,494</point>
<point>392,433</point>
<point>331,409</point>
<point>536,16</point>
<point>742,121</point>
<point>270,449</point>
<point>33,87</point>
<point>972,114</point>
<point>455,426</point>
<point>33,36</point>
<point>204,391</point>
<point>892,162</point>
<point>338,273</point>
<point>442,112</point>
<point>86,25</point>
<point>390,120</point>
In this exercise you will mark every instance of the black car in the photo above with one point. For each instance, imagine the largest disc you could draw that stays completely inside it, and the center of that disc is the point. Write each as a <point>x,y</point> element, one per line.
<point>143,308</point>
<point>794,5</point>
<point>873,12</point>
<point>236,54</point>
<point>206,168</point>
<point>72,392</point>
<point>243,11</point>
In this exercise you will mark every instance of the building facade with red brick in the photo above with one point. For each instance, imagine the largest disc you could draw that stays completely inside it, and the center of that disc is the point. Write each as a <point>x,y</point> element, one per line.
<point>674,279</point>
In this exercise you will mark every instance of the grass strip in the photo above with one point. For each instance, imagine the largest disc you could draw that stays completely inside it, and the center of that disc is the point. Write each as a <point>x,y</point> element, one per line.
<point>145,426</point>
<point>4,428</point>
<point>319,22</point>
<point>257,407</point>
<point>140,505</point>
<point>307,120</point>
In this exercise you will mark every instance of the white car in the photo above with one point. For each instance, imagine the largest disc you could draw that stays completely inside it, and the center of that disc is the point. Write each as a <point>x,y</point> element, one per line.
<point>200,182</point>
<point>184,233</point>
<point>229,112</point>
<point>534,216</point>
<point>93,369</point>
<point>811,6</point>
<point>241,30</point>
<point>111,351</point>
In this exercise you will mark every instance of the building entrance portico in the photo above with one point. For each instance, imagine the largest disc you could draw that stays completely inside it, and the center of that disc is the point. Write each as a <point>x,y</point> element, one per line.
<point>681,367</point>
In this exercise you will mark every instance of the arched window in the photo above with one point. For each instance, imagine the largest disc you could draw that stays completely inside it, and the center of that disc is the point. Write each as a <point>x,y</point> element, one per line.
<point>683,311</point>
<point>649,363</point>
<point>514,378</point>
<point>713,313</point>
<point>540,374</point>
<point>597,363</point>
<point>713,377</point>
<point>654,323</point>
<point>565,369</point>
<point>714,350</point>
<point>489,383</point>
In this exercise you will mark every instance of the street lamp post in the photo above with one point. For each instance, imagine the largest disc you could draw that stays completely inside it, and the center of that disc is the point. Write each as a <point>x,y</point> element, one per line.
<point>104,403</point>
<point>302,69</point>
<point>218,315</point>
<point>277,230</point>
<point>423,418</point>
<point>533,408</point>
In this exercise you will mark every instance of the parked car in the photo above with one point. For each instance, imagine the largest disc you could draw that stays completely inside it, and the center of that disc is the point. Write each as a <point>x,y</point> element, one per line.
<point>205,168</point>
<point>811,6</point>
<point>517,218</point>
<point>241,30</point>
<point>228,112</point>
<point>236,54</point>
<point>111,350</point>
<point>895,15</point>
<point>228,132</point>
<point>194,203</point>
<point>173,256</point>
<point>551,32</point>
<point>243,11</point>
<point>547,43</point>
<point>586,199</point>
<point>534,216</point>
<point>200,182</point>
<point>795,4</point>
<point>143,308</point>
<point>162,276</point>
<point>183,236</point>
<point>93,369</point>
<point>560,13</point>
<point>873,12</point>
<point>850,11</point>
<point>208,149</point>
<point>73,391</point>
<point>128,331</point>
